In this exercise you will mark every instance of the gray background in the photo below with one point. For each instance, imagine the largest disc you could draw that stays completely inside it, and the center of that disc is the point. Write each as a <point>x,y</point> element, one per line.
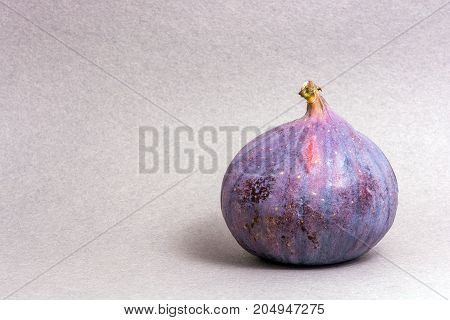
<point>78,78</point>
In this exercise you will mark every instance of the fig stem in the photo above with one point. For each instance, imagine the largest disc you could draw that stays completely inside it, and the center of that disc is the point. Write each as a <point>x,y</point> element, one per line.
<point>309,91</point>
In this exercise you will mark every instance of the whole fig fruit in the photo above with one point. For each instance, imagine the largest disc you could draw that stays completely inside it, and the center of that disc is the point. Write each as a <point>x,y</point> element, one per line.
<point>312,191</point>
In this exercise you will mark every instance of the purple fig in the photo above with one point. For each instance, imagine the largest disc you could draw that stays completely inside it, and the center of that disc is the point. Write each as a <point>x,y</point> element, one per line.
<point>312,191</point>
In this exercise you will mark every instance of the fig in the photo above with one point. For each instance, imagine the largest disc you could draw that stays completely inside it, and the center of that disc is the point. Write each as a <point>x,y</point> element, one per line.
<point>312,191</point>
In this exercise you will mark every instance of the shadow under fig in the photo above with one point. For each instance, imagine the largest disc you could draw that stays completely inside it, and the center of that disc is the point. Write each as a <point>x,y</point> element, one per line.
<point>209,241</point>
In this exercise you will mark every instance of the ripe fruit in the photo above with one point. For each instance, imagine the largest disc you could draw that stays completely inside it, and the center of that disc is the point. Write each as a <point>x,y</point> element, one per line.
<point>312,191</point>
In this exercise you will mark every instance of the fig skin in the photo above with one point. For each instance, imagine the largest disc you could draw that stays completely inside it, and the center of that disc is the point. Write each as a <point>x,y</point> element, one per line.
<point>312,191</point>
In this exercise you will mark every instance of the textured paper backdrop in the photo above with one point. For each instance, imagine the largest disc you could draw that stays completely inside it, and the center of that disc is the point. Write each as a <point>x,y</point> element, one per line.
<point>79,77</point>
